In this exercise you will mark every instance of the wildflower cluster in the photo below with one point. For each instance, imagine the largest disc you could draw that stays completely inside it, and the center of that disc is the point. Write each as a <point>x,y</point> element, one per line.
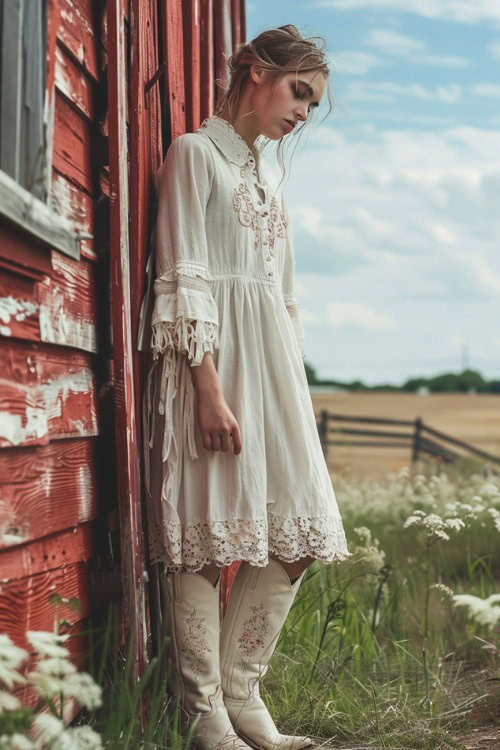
<point>474,498</point>
<point>369,549</point>
<point>435,526</point>
<point>56,680</point>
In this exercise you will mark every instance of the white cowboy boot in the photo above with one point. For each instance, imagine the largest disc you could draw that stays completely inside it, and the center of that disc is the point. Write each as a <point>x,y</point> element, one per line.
<point>258,606</point>
<point>194,629</point>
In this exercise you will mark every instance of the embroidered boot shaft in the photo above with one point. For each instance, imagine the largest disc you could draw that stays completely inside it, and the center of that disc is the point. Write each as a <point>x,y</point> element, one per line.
<point>258,607</point>
<point>194,628</point>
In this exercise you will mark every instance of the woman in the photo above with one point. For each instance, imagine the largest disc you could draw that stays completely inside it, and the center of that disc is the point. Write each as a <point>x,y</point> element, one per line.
<point>237,469</point>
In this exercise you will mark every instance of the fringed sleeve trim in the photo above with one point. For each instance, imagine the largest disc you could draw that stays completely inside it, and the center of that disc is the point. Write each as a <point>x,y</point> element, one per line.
<point>185,316</point>
<point>195,338</point>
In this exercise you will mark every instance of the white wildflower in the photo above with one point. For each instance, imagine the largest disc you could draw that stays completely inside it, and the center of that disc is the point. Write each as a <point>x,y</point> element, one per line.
<point>490,491</point>
<point>84,738</point>
<point>82,687</point>
<point>483,611</point>
<point>64,741</point>
<point>11,656</point>
<point>56,666</point>
<point>370,549</point>
<point>434,524</point>
<point>48,726</point>
<point>443,588</point>
<point>48,644</point>
<point>15,742</point>
<point>496,517</point>
<point>45,685</point>
<point>50,676</point>
<point>364,534</point>
<point>8,702</point>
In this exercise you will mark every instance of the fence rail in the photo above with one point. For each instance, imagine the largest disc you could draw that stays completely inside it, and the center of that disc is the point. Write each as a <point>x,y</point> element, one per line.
<point>420,437</point>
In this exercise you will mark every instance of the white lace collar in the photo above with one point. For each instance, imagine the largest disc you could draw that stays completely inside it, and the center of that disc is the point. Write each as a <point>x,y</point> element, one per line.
<point>232,145</point>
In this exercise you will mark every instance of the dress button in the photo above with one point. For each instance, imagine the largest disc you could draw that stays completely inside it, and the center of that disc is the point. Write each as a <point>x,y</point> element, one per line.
<point>268,257</point>
<point>269,273</point>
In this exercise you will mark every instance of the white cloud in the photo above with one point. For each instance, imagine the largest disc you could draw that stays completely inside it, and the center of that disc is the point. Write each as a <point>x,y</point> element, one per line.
<point>443,61</point>
<point>494,50</point>
<point>483,271</point>
<point>464,11</point>
<point>357,315</point>
<point>443,234</point>
<point>392,43</point>
<point>387,91</point>
<point>491,90</point>
<point>352,62</point>
<point>389,42</point>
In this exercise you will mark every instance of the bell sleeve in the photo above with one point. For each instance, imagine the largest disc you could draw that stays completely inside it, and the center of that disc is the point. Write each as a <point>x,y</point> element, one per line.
<point>287,282</point>
<point>185,316</point>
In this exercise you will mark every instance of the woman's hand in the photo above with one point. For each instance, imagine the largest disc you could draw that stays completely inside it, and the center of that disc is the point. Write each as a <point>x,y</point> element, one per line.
<point>217,423</point>
<point>215,419</point>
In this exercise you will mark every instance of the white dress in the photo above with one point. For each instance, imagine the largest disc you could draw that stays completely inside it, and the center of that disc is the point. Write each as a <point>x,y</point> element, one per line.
<point>224,284</point>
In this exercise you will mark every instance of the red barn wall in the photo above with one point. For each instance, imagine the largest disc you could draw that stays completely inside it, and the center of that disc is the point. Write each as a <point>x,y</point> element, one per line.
<point>56,426</point>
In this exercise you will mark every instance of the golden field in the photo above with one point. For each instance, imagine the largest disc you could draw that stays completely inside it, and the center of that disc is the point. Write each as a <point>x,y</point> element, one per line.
<point>473,418</point>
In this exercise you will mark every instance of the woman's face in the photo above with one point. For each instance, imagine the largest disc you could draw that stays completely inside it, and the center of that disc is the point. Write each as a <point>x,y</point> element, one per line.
<point>280,105</point>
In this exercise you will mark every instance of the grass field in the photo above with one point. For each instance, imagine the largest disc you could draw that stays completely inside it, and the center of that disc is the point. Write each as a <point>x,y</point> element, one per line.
<point>473,418</point>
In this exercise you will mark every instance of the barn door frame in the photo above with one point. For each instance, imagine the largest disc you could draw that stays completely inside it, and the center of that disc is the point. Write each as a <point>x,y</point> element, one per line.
<point>128,448</point>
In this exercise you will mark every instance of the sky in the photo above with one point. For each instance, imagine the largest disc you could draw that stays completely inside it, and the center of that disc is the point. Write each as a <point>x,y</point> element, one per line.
<point>395,196</point>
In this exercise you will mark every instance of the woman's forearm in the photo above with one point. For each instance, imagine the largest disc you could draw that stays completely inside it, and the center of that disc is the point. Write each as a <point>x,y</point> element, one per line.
<point>205,376</point>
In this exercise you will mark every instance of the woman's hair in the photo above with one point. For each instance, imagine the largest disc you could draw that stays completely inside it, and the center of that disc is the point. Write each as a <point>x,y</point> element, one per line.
<point>278,51</point>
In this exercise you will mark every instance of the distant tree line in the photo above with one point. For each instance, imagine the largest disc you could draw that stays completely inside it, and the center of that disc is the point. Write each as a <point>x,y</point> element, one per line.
<point>449,382</point>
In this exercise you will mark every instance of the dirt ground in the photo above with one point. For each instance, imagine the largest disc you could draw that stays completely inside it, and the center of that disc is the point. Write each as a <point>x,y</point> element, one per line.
<point>473,418</point>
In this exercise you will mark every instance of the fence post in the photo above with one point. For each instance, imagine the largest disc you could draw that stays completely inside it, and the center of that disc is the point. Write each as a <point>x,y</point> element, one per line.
<point>323,431</point>
<point>416,440</point>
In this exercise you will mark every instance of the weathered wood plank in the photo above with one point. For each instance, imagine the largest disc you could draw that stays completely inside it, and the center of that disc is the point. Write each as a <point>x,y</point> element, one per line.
<point>21,255</point>
<point>46,489</point>
<point>45,394</point>
<point>25,212</point>
<point>127,444</point>
<point>223,43</point>
<point>73,83</point>
<point>59,309</point>
<point>29,598</point>
<point>192,62</point>
<point>19,308</point>
<point>236,25</point>
<point>72,145</point>
<point>171,25</point>
<point>67,304</point>
<point>76,33</point>
<point>77,206</point>
<point>55,551</point>
<point>207,85</point>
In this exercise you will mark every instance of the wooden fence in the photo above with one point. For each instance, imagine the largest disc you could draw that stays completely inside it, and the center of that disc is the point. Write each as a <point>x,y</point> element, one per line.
<point>419,437</point>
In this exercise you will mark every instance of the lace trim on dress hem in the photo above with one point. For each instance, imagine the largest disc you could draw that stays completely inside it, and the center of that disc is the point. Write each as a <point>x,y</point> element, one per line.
<point>225,542</point>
